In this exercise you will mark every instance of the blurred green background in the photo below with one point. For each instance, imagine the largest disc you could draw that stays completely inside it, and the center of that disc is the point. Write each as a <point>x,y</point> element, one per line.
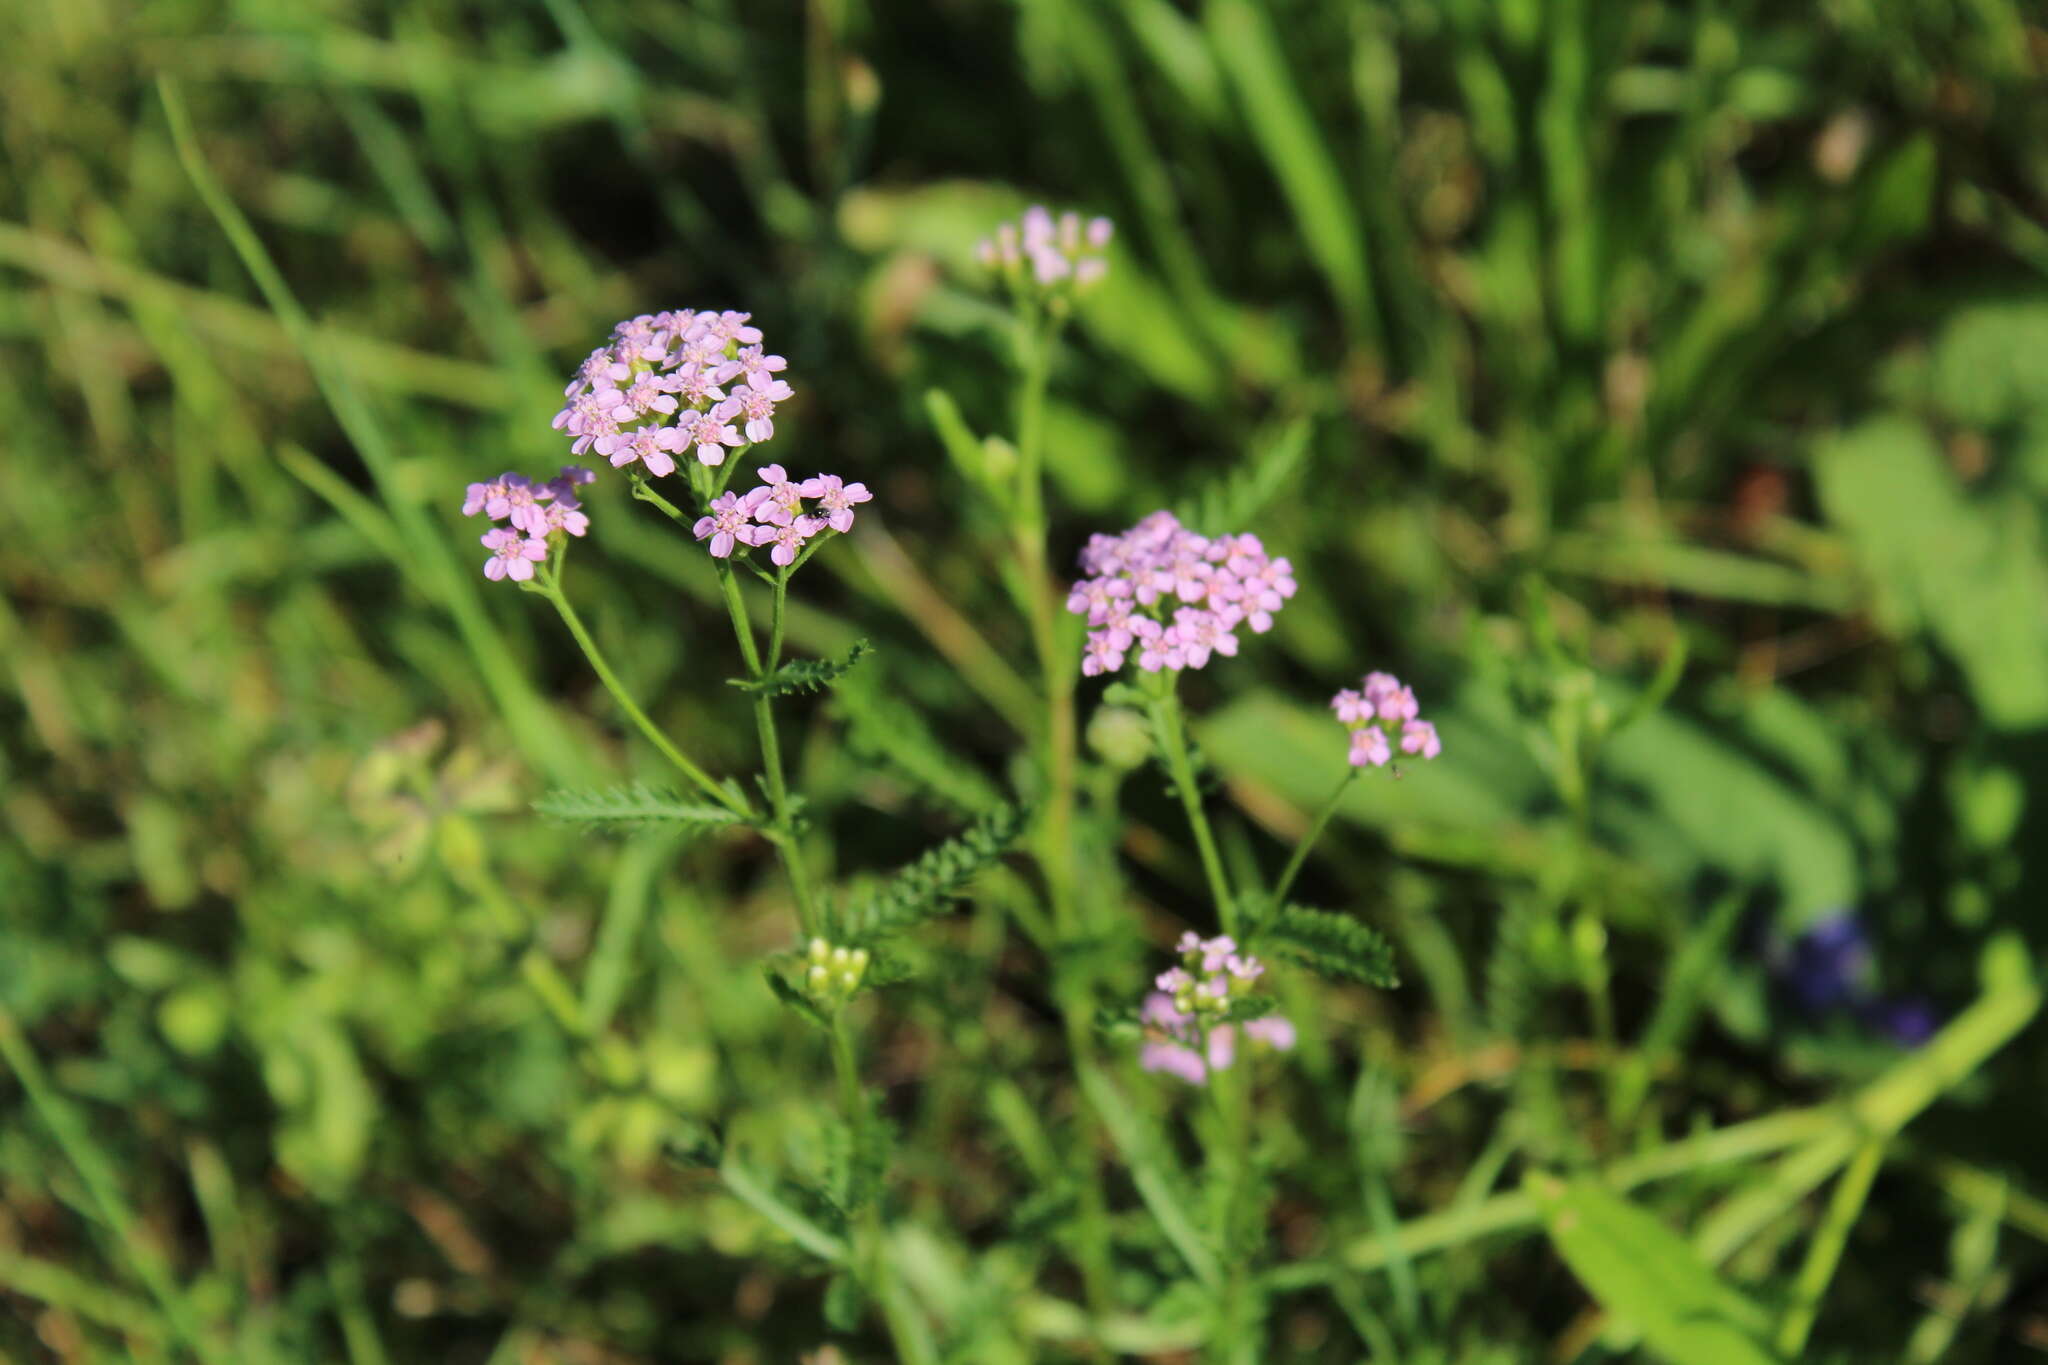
<point>1662,388</point>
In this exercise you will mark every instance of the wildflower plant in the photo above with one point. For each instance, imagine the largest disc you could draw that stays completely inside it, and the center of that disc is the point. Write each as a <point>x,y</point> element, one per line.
<point>683,397</point>
<point>674,404</point>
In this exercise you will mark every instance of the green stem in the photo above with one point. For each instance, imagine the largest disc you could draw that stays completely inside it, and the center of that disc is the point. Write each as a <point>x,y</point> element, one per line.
<point>1171,733</point>
<point>771,749</point>
<point>1058,672</point>
<point>1826,1252</point>
<point>551,589</point>
<point>775,618</point>
<point>645,493</point>
<point>1232,1088</point>
<point>870,1261</point>
<point>1308,840</point>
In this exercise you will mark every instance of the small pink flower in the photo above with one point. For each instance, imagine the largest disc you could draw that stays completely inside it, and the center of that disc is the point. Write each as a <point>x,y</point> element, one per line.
<point>837,499</point>
<point>1419,737</point>
<point>1272,1030</point>
<point>653,447</point>
<point>757,401</point>
<point>789,539</point>
<point>1369,747</point>
<point>512,555</point>
<point>711,434</point>
<point>730,522</point>
<point>648,394</point>
<point>785,500</point>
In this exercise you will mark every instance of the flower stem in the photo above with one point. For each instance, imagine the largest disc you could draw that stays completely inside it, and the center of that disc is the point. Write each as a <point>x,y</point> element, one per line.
<point>771,747</point>
<point>1057,671</point>
<point>1308,840</point>
<point>1171,733</point>
<point>870,1260</point>
<point>551,588</point>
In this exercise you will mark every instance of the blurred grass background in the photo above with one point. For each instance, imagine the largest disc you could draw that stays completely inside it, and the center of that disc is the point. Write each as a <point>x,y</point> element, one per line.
<point>1580,355</point>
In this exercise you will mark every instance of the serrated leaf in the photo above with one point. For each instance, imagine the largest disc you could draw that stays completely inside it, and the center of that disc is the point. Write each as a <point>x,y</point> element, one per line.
<point>637,804</point>
<point>1253,484</point>
<point>803,675</point>
<point>922,889</point>
<point>881,728</point>
<point>792,997</point>
<point>1335,945</point>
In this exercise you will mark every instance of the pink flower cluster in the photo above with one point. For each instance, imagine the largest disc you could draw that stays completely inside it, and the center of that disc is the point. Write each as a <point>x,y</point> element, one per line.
<point>1174,596</point>
<point>671,382</point>
<point>1184,1037</point>
<point>535,511</point>
<point>1056,251</point>
<point>1380,715</point>
<point>774,513</point>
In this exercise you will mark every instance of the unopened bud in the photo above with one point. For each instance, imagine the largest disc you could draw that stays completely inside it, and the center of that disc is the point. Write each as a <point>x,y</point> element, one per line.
<point>817,978</point>
<point>818,950</point>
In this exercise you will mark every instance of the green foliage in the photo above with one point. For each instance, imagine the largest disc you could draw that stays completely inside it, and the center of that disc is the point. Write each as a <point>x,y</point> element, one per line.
<point>1337,946</point>
<point>635,805</point>
<point>924,888</point>
<point>1649,1278</point>
<point>1724,327</point>
<point>804,675</point>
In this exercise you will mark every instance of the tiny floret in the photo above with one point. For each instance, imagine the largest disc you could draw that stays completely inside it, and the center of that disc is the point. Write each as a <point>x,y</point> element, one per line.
<point>1186,1018</point>
<point>1046,258</point>
<point>1382,717</point>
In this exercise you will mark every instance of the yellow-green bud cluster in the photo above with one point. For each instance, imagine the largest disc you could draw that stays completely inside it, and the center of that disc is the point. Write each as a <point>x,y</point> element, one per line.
<point>1213,974</point>
<point>833,974</point>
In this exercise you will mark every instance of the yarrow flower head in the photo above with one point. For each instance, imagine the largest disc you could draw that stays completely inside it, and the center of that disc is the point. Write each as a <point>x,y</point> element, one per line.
<point>536,511</point>
<point>1186,1018</point>
<point>1382,716</point>
<point>1175,597</point>
<point>775,514</point>
<point>1048,258</point>
<point>657,389</point>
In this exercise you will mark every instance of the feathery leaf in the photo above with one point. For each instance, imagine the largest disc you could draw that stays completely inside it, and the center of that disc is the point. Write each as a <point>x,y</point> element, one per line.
<point>1335,945</point>
<point>803,675</point>
<point>638,804</point>
<point>921,889</point>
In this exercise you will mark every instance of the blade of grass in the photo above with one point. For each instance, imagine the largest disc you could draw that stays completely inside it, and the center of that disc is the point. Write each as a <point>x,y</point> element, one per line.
<point>547,743</point>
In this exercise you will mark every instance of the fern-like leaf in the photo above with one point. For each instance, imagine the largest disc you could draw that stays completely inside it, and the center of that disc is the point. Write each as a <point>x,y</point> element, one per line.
<point>804,675</point>
<point>921,890</point>
<point>638,804</point>
<point>880,727</point>
<point>1335,945</point>
<point>1270,467</point>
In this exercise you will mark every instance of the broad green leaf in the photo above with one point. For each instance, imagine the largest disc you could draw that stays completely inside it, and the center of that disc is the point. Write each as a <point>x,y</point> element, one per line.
<point>1965,571</point>
<point>1645,1275</point>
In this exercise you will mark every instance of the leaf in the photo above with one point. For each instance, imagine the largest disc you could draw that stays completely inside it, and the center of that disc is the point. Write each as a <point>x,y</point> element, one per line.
<point>845,1302</point>
<point>1646,1275</point>
<point>792,997</point>
<point>881,728</point>
<point>803,675</point>
<point>920,890</point>
<point>1233,502</point>
<point>638,804</point>
<point>1335,945</point>
<point>1965,571</point>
